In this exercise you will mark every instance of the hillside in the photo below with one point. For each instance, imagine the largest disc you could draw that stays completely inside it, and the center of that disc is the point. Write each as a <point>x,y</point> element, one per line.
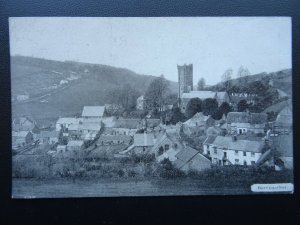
<point>281,80</point>
<point>46,89</point>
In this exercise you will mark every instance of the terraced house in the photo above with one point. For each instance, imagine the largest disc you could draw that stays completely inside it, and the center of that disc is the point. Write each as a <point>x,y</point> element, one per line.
<point>231,151</point>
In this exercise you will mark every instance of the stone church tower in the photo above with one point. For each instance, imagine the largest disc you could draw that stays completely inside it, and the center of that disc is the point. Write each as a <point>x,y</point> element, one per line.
<point>185,79</point>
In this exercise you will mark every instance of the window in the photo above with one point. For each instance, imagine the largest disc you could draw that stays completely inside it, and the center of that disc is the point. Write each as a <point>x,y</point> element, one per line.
<point>244,153</point>
<point>236,161</point>
<point>236,152</point>
<point>215,150</point>
<point>245,163</point>
<point>252,154</point>
<point>166,147</point>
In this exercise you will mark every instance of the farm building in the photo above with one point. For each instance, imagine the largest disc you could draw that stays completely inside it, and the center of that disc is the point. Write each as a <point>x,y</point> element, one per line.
<point>93,111</point>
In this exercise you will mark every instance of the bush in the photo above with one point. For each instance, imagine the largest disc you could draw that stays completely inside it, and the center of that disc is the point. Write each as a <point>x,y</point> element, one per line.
<point>167,170</point>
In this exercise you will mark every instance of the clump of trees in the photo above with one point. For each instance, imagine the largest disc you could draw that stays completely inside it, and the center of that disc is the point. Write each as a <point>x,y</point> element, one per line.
<point>193,106</point>
<point>156,94</point>
<point>124,96</point>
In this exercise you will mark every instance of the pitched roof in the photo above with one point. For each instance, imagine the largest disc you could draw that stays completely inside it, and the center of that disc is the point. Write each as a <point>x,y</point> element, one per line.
<point>204,94</point>
<point>128,123</point>
<point>238,145</point>
<point>186,154</point>
<point>199,94</point>
<point>21,134</point>
<point>285,117</point>
<point>68,120</point>
<point>115,138</point>
<point>245,117</point>
<point>75,143</point>
<point>46,134</point>
<point>284,144</point>
<point>210,139</point>
<point>197,120</point>
<point>145,139</point>
<point>93,111</point>
<point>90,126</point>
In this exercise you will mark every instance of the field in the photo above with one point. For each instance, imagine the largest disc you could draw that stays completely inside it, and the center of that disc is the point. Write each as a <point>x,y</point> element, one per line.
<point>23,188</point>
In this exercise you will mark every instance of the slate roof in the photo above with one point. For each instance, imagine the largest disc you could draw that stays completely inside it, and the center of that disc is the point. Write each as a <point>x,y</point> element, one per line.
<point>145,139</point>
<point>128,123</point>
<point>198,118</point>
<point>46,134</point>
<point>210,139</point>
<point>245,117</point>
<point>186,154</point>
<point>199,94</point>
<point>68,120</point>
<point>204,94</point>
<point>284,144</point>
<point>125,138</point>
<point>93,111</point>
<point>21,134</point>
<point>90,126</point>
<point>75,143</point>
<point>238,145</point>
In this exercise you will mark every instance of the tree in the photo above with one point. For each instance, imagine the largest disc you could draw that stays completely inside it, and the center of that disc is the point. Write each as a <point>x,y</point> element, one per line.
<point>209,106</point>
<point>175,116</point>
<point>124,96</point>
<point>242,105</point>
<point>225,108</point>
<point>193,106</point>
<point>201,84</point>
<point>226,79</point>
<point>243,74</point>
<point>156,93</point>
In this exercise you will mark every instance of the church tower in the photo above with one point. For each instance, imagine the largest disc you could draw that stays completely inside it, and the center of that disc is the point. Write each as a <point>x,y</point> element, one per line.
<point>185,79</point>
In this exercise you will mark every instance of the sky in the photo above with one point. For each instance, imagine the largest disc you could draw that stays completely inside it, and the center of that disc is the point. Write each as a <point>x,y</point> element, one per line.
<point>154,46</point>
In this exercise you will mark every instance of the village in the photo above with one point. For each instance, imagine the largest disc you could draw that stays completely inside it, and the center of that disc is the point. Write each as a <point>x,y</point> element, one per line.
<point>99,137</point>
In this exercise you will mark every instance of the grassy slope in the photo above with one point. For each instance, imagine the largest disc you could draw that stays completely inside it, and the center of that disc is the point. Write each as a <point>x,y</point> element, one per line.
<point>31,75</point>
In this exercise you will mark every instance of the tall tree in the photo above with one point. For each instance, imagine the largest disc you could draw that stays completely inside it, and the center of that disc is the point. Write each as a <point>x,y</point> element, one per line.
<point>156,93</point>
<point>226,79</point>
<point>243,74</point>
<point>124,96</point>
<point>225,108</point>
<point>242,105</point>
<point>201,84</point>
<point>209,106</point>
<point>193,106</point>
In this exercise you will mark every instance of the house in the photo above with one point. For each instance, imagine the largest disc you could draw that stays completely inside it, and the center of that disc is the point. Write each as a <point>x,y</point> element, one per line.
<point>143,143</point>
<point>65,122</point>
<point>232,151</point>
<point>236,97</point>
<point>189,159</point>
<point>24,124</point>
<point>48,137</point>
<point>93,111</point>
<point>124,127</point>
<point>21,138</point>
<point>283,145</point>
<point>75,145</point>
<point>186,97</point>
<point>284,121</point>
<point>206,144</point>
<point>61,148</point>
<point>114,140</point>
<point>243,122</point>
<point>141,103</point>
<point>200,120</point>
<point>112,108</point>
<point>167,146</point>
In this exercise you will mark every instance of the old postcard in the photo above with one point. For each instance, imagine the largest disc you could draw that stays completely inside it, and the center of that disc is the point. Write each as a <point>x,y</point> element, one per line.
<point>151,106</point>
